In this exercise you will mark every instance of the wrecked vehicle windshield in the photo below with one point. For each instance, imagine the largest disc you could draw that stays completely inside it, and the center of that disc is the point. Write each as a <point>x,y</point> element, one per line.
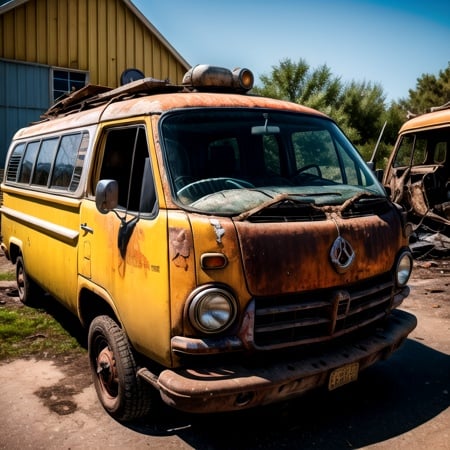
<point>229,161</point>
<point>418,178</point>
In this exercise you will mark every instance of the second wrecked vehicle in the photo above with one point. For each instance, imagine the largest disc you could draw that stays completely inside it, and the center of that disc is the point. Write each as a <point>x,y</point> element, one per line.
<point>418,177</point>
<point>223,249</point>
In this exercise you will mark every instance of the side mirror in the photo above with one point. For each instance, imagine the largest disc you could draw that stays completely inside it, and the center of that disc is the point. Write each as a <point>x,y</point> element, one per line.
<point>106,195</point>
<point>379,173</point>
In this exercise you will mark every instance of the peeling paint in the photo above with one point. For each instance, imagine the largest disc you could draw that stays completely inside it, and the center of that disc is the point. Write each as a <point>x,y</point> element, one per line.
<point>218,230</point>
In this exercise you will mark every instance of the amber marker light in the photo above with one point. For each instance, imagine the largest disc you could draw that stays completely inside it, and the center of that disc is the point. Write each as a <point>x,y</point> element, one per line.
<point>213,261</point>
<point>243,79</point>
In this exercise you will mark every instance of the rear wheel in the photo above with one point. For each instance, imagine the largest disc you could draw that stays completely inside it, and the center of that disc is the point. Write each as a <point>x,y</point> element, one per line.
<point>29,291</point>
<point>123,394</point>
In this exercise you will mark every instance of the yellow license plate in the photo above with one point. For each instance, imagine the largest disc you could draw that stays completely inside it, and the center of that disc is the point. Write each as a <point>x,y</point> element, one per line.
<point>343,375</point>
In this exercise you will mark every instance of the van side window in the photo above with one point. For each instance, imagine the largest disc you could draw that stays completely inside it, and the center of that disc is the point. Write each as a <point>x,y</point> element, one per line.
<point>69,159</point>
<point>79,162</point>
<point>440,153</point>
<point>44,161</point>
<point>412,151</point>
<point>56,162</point>
<point>125,158</point>
<point>28,162</point>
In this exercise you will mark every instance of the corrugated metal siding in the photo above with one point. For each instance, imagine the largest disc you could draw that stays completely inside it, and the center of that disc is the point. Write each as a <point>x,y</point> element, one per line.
<point>24,96</point>
<point>103,37</point>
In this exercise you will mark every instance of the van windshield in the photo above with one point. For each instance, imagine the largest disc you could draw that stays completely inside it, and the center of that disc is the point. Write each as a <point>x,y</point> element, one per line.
<point>228,161</point>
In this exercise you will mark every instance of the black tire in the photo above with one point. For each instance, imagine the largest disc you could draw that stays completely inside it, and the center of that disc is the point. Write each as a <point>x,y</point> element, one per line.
<point>122,393</point>
<point>29,291</point>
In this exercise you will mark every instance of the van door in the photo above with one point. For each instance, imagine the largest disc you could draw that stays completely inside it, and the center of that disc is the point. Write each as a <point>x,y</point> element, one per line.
<point>123,254</point>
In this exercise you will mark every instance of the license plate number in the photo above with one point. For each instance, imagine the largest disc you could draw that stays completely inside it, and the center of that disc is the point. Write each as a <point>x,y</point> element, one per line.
<point>343,375</point>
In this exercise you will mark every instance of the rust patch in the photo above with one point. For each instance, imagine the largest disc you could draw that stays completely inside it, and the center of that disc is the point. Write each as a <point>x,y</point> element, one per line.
<point>180,247</point>
<point>292,257</point>
<point>134,256</point>
<point>417,199</point>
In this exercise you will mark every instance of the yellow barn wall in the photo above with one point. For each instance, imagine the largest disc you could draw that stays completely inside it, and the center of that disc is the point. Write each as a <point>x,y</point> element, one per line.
<point>103,37</point>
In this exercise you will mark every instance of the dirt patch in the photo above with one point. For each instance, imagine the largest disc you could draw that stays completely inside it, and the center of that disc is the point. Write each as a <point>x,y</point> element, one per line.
<point>59,378</point>
<point>56,384</point>
<point>60,396</point>
<point>430,287</point>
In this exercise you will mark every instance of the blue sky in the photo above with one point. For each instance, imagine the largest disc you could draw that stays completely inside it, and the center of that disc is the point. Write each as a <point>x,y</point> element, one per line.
<point>387,42</point>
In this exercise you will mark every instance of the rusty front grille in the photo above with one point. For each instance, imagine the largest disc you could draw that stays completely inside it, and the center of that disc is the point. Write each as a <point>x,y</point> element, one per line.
<point>318,316</point>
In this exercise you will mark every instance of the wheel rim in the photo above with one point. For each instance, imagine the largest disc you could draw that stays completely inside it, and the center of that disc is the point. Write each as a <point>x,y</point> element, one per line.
<point>107,373</point>
<point>20,278</point>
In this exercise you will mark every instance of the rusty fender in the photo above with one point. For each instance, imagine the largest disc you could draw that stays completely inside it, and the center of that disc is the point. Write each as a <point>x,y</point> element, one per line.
<point>234,387</point>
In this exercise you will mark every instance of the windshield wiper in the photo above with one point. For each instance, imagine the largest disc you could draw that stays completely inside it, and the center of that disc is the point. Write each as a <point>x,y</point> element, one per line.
<point>280,200</point>
<point>308,199</point>
<point>367,202</point>
<point>363,196</point>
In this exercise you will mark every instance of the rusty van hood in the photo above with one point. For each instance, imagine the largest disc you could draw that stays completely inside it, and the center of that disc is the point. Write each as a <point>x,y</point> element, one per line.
<point>288,257</point>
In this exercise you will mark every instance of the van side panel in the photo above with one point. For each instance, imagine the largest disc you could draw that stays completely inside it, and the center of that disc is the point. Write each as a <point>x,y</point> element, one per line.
<point>47,228</point>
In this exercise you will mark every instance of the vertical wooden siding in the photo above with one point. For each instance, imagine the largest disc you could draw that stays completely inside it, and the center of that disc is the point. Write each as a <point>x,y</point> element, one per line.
<point>103,37</point>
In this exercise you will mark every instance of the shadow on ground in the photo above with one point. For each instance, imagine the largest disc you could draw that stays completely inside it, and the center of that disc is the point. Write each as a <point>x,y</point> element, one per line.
<point>389,399</point>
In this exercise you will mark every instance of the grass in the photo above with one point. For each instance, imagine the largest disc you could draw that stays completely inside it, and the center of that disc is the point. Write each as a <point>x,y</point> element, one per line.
<point>7,276</point>
<point>26,331</point>
<point>46,330</point>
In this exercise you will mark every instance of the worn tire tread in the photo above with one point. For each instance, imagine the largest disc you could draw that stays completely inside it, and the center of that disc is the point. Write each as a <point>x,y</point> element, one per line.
<point>135,397</point>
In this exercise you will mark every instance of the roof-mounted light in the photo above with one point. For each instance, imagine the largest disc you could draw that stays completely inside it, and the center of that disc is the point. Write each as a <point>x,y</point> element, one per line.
<point>211,78</point>
<point>243,79</point>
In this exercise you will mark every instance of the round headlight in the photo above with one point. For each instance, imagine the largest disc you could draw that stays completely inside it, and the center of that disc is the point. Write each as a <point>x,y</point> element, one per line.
<point>404,268</point>
<point>212,310</point>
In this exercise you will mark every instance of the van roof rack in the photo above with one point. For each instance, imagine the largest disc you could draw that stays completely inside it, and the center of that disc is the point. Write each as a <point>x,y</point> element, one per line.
<point>92,95</point>
<point>204,78</point>
<point>440,108</point>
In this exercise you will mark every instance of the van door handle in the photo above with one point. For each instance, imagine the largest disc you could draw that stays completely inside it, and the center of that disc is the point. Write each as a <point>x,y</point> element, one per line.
<point>85,227</point>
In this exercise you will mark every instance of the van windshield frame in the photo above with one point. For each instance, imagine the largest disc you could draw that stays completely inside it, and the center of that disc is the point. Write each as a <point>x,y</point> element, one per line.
<point>230,160</point>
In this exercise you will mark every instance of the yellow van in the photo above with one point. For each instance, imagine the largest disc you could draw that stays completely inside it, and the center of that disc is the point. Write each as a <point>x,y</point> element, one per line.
<point>223,249</point>
<point>417,176</point>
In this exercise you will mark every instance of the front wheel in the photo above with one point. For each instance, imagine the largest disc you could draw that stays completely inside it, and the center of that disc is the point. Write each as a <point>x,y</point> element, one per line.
<point>123,394</point>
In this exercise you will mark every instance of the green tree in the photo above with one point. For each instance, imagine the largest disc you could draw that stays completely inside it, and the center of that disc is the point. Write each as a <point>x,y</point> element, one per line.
<point>359,108</point>
<point>356,107</point>
<point>430,91</point>
<point>297,82</point>
<point>364,104</point>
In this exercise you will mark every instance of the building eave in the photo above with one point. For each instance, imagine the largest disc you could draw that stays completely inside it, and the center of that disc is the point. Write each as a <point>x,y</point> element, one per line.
<point>7,6</point>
